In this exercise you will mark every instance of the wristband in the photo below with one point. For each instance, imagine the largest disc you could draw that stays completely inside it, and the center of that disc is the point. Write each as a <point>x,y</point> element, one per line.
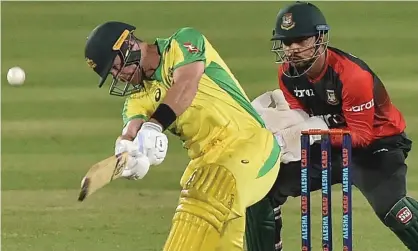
<point>164,115</point>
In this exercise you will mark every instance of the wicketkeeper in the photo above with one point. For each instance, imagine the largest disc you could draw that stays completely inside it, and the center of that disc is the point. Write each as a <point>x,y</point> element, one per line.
<point>342,90</point>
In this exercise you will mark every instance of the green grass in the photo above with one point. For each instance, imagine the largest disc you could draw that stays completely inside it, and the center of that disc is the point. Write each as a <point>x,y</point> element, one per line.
<point>59,122</point>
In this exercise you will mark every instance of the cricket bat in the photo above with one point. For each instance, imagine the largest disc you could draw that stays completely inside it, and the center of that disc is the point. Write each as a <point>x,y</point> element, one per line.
<point>102,173</point>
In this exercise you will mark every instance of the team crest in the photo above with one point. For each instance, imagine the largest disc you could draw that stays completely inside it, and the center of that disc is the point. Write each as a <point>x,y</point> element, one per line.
<point>91,63</point>
<point>287,21</point>
<point>331,98</point>
<point>190,47</point>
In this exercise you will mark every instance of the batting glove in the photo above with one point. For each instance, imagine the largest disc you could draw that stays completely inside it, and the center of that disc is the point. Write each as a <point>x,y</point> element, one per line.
<point>152,142</point>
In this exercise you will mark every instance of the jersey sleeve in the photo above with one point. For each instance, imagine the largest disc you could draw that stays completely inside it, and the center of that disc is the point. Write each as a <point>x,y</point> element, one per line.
<point>358,108</point>
<point>189,46</point>
<point>293,102</point>
<point>137,106</point>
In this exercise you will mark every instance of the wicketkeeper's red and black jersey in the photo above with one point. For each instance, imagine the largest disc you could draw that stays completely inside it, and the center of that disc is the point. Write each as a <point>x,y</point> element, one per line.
<point>349,95</point>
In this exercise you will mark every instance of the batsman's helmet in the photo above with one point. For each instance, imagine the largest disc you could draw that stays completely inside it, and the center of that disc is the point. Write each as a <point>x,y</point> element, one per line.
<point>104,43</point>
<point>296,22</point>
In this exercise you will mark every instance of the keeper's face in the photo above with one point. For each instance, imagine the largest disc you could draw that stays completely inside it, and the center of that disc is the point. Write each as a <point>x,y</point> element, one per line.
<point>299,51</point>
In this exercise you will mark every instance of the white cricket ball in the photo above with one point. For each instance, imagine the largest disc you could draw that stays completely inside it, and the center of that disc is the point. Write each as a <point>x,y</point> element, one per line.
<point>16,76</point>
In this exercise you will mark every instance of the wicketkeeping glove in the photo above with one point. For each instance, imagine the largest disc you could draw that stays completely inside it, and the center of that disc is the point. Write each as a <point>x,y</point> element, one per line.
<point>285,123</point>
<point>275,111</point>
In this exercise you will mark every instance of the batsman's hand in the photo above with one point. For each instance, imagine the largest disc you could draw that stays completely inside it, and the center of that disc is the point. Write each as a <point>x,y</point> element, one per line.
<point>137,165</point>
<point>152,142</point>
<point>123,145</point>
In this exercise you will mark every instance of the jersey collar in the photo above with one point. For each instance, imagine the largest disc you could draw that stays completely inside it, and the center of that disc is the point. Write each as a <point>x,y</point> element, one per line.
<point>162,45</point>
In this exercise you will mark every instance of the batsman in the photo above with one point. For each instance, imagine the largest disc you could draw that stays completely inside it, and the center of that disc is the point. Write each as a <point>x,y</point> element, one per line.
<point>181,85</point>
<point>317,80</point>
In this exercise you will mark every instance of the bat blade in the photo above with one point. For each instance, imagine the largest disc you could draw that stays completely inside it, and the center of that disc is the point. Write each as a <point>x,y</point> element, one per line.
<point>102,173</point>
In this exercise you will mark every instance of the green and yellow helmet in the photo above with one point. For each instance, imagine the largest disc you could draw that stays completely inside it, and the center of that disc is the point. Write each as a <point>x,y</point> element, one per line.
<point>297,22</point>
<point>104,43</point>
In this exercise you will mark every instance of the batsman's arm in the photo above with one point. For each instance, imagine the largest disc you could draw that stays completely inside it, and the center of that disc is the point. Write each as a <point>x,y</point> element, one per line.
<point>185,85</point>
<point>131,129</point>
<point>129,133</point>
<point>180,95</point>
<point>139,136</point>
<point>188,49</point>
<point>136,110</point>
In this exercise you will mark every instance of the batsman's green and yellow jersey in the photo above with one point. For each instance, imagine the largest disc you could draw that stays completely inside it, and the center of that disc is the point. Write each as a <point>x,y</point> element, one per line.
<point>220,109</point>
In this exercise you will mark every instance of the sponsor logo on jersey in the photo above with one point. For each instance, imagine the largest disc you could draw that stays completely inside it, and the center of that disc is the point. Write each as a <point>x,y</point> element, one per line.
<point>304,92</point>
<point>157,95</point>
<point>359,108</point>
<point>190,47</point>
